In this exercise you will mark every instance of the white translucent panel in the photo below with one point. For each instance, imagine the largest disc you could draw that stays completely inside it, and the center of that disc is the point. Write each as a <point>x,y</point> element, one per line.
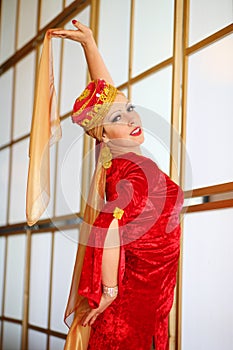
<point>24,95</point>
<point>220,14</point>
<point>74,69</point>
<point>40,279</point>
<point>12,336</point>
<point>15,276</point>
<point>49,10</point>
<point>152,95</point>
<point>207,320</point>
<point>209,114</point>
<point>68,2</point>
<point>37,340</point>
<point>64,257</point>
<point>48,213</point>
<point>2,259</point>
<point>4,180</point>
<point>7,29</point>
<point>6,83</point>
<point>153,33</point>
<point>27,25</point>
<point>56,343</point>
<point>113,40</point>
<point>125,92</point>
<point>19,182</point>
<point>69,169</point>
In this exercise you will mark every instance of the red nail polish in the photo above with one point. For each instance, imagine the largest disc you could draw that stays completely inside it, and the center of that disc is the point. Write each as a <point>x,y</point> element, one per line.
<point>74,21</point>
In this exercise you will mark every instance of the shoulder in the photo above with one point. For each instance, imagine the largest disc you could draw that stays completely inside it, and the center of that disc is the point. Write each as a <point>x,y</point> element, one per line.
<point>133,158</point>
<point>130,164</point>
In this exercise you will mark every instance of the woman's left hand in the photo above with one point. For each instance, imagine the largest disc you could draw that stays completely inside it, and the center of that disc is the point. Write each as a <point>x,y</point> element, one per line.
<point>105,301</point>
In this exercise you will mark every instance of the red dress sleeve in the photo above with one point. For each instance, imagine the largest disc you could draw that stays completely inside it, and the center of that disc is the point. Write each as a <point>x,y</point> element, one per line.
<point>128,185</point>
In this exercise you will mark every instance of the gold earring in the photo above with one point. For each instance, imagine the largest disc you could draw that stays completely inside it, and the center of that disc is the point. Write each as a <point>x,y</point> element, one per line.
<point>106,157</point>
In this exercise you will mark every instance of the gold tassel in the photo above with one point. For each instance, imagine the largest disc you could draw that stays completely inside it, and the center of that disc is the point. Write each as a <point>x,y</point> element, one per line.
<point>106,157</point>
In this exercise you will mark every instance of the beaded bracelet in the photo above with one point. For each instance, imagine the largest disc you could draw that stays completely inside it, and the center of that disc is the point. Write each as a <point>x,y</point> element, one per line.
<point>110,291</point>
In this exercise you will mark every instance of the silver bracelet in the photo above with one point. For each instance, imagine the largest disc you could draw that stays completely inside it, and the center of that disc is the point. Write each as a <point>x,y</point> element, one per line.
<point>110,291</point>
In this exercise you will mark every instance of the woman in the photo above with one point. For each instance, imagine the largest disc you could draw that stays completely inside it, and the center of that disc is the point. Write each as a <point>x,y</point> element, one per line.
<point>125,271</point>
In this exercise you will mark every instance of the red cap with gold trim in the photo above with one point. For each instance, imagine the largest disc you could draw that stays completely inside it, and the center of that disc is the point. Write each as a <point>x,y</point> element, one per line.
<point>93,104</point>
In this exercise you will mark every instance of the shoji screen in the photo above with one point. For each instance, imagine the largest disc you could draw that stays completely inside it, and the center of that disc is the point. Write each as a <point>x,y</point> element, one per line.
<point>183,102</point>
<point>36,263</point>
<point>208,288</point>
<point>139,42</point>
<point>207,320</point>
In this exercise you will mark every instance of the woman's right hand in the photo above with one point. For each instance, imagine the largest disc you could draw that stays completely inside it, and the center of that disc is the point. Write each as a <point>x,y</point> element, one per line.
<point>82,34</point>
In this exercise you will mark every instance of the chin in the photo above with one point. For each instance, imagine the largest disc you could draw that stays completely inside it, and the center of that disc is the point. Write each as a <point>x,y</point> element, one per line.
<point>140,140</point>
<point>137,142</point>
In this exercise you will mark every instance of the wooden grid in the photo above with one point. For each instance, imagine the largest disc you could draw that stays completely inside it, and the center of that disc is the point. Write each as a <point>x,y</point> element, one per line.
<point>179,62</point>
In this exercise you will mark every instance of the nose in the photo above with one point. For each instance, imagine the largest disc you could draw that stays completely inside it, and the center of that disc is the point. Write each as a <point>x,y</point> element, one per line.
<point>131,122</point>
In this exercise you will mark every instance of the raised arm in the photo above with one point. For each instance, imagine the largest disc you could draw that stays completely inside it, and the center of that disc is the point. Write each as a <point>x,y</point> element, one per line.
<point>84,36</point>
<point>111,252</point>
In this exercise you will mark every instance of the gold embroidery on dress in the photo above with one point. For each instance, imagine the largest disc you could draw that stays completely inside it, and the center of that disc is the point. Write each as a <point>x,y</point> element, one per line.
<point>118,213</point>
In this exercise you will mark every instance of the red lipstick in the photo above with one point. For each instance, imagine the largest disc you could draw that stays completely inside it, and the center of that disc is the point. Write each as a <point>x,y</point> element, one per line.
<point>136,132</point>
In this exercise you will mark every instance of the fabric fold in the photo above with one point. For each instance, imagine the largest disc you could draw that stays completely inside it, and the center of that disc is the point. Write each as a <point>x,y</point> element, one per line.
<point>77,305</point>
<point>45,131</point>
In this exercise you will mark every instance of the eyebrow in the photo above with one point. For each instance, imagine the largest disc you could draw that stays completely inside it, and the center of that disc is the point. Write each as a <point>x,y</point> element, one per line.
<point>118,110</point>
<point>113,113</point>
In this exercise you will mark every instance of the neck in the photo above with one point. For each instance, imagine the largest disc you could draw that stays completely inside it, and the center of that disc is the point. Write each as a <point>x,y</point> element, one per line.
<point>121,146</point>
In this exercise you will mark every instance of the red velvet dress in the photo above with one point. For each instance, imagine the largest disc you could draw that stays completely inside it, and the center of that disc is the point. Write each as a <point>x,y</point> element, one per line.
<point>150,244</point>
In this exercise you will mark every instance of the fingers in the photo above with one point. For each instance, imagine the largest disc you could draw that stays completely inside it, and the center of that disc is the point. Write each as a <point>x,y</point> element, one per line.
<point>79,25</point>
<point>93,319</point>
<point>76,23</point>
<point>58,34</point>
<point>90,318</point>
<point>66,33</point>
<point>62,33</point>
<point>81,34</point>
